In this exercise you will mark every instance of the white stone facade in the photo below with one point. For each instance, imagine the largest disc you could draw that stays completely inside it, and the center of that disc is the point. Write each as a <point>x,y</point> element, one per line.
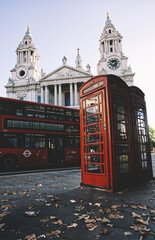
<point>61,86</point>
<point>112,59</point>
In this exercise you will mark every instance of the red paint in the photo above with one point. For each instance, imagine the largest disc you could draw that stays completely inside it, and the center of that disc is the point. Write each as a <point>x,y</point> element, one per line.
<point>107,129</point>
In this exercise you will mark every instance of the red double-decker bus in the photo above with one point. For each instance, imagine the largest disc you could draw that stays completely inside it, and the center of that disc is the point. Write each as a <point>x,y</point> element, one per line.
<point>34,134</point>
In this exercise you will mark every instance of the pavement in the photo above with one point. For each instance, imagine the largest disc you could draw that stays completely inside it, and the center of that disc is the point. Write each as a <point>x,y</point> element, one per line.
<point>52,205</point>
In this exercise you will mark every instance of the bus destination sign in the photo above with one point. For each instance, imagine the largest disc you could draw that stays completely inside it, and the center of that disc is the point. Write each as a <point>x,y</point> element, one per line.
<point>92,87</point>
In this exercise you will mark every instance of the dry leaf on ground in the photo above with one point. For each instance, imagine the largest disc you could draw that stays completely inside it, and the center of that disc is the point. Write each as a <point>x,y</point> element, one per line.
<point>72,225</point>
<point>53,233</point>
<point>91,226</point>
<point>127,233</point>
<point>31,237</point>
<point>2,225</point>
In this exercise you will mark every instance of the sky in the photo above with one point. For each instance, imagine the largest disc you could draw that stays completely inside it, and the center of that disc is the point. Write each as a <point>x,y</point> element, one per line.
<point>59,27</point>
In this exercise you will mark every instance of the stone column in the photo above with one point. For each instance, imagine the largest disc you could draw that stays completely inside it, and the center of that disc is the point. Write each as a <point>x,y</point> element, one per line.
<point>71,94</point>
<point>60,97</point>
<point>46,94</point>
<point>42,94</point>
<point>55,94</point>
<point>75,93</point>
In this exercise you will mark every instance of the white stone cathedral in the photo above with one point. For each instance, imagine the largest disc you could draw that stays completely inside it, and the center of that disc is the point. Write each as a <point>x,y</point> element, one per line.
<point>61,86</point>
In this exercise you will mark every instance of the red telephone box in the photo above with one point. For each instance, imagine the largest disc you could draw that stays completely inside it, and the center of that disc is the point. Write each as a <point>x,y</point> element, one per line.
<point>107,155</point>
<point>142,153</point>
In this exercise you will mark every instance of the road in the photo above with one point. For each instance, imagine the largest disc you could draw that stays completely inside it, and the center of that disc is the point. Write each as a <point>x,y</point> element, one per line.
<point>52,205</point>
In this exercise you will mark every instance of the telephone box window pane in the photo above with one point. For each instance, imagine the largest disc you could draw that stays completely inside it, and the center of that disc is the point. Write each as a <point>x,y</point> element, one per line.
<point>120,100</point>
<point>83,104</point>
<point>92,101</point>
<point>93,129</point>
<point>124,168</point>
<point>95,158</point>
<point>93,138</point>
<point>142,147</point>
<point>120,109</point>
<point>120,118</point>
<point>123,158</point>
<point>144,164</point>
<point>93,148</point>
<point>85,158</point>
<point>92,119</point>
<point>122,137</point>
<point>102,169</point>
<point>121,127</point>
<point>94,168</point>
<point>92,110</point>
<point>122,147</point>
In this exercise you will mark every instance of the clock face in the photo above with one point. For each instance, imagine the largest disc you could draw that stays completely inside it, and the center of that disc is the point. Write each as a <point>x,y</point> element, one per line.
<point>113,63</point>
<point>22,72</point>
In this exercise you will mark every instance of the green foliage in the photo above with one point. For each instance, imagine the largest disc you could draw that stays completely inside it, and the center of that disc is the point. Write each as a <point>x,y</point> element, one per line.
<point>152,137</point>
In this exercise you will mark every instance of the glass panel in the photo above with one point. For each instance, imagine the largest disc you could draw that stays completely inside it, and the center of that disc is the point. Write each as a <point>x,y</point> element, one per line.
<point>92,119</point>
<point>120,100</point>
<point>120,118</point>
<point>121,128</point>
<point>122,147</point>
<point>123,158</point>
<point>94,168</point>
<point>93,138</point>
<point>92,101</point>
<point>93,129</point>
<point>94,158</point>
<point>93,148</point>
<point>124,167</point>
<point>92,110</point>
<point>83,104</point>
<point>120,109</point>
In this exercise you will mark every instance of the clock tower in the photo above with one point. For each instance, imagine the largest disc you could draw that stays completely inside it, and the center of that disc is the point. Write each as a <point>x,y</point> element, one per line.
<point>25,77</point>
<point>112,59</point>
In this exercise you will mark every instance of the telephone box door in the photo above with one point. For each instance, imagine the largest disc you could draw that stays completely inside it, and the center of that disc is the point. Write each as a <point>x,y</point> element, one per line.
<point>95,167</point>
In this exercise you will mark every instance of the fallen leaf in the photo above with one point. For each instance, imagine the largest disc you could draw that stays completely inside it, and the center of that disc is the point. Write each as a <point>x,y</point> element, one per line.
<point>97,204</point>
<point>48,204</point>
<point>116,216</point>
<point>31,237</point>
<point>104,232</point>
<point>2,225</point>
<point>32,213</point>
<point>4,200</point>
<point>142,221</point>
<point>79,208</point>
<point>127,233</point>
<point>32,207</point>
<point>39,185</point>
<point>49,196</point>
<point>53,233</point>
<point>53,217</point>
<point>72,225</point>
<point>72,201</point>
<point>57,205</point>
<point>91,226</point>
<point>136,215</point>
<point>105,220</point>
<point>115,206</point>
<point>140,228</point>
<point>43,220</point>
<point>90,220</point>
<point>59,222</point>
<point>109,225</point>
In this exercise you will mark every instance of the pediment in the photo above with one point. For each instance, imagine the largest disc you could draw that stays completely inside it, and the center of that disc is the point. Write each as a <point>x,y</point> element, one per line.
<point>65,72</point>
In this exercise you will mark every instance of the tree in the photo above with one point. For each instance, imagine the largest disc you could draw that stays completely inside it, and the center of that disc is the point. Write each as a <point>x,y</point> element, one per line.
<point>152,137</point>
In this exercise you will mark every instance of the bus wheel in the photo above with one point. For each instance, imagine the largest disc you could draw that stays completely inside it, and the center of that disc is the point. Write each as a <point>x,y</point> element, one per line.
<point>9,163</point>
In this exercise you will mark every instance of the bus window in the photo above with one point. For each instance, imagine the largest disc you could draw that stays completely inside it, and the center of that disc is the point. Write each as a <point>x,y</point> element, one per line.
<point>34,141</point>
<point>12,140</point>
